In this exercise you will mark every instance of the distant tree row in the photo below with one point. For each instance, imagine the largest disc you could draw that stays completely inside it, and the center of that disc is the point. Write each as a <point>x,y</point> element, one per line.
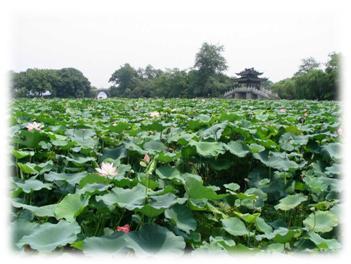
<point>205,79</point>
<point>311,81</point>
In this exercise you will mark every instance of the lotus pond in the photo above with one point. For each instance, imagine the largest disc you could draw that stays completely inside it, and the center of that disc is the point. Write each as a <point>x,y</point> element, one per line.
<point>134,176</point>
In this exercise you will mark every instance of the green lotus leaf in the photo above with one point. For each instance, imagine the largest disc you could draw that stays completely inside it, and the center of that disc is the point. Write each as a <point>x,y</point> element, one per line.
<point>20,154</point>
<point>111,244</point>
<point>29,139</point>
<point>150,239</point>
<point>255,148</point>
<point>182,217</point>
<point>333,170</point>
<point>280,235</point>
<point>290,141</point>
<point>119,127</point>
<point>196,190</point>
<point>156,204</point>
<point>170,173</point>
<point>21,228</point>
<point>248,218</point>
<point>291,201</point>
<point>116,153</point>
<point>276,160</point>
<point>162,201</point>
<point>208,149</point>
<point>154,146</point>
<point>324,244</point>
<point>93,188</point>
<point>235,226</point>
<point>72,179</point>
<point>332,150</point>
<point>80,159</point>
<point>237,148</point>
<point>41,211</point>
<point>321,221</point>
<point>262,226</point>
<point>47,237</point>
<point>232,187</point>
<point>166,157</point>
<point>28,168</point>
<point>126,198</point>
<point>84,137</point>
<point>93,178</point>
<point>276,247</point>
<point>31,185</point>
<point>153,238</point>
<point>70,207</point>
<point>214,132</point>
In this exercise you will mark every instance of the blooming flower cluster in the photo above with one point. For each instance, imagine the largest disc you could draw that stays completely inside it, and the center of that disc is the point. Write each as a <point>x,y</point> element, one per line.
<point>107,169</point>
<point>34,126</point>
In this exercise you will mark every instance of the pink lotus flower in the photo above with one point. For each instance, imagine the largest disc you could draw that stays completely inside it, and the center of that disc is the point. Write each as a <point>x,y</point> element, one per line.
<point>107,169</point>
<point>34,126</point>
<point>282,110</point>
<point>154,114</point>
<point>146,158</point>
<point>125,229</point>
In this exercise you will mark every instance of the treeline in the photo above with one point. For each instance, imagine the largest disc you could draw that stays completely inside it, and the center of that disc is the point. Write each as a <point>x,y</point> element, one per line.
<point>63,83</point>
<point>313,81</point>
<point>205,79</point>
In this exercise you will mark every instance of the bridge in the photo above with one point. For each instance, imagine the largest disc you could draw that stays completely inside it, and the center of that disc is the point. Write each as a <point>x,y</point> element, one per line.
<point>250,93</point>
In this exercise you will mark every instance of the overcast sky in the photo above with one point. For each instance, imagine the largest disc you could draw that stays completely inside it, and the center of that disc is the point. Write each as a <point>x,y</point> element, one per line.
<point>272,36</point>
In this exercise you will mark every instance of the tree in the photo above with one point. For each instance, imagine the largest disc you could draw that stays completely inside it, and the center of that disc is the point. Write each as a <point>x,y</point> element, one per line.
<point>171,83</point>
<point>149,73</point>
<point>333,70</point>
<point>286,89</point>
<point>124,80</point>
<point>209,59</point>
<point>209,62</point>
<point>311,85</point>
<point>308,64</point>
<point>72,83</point>
<point>33,82</point>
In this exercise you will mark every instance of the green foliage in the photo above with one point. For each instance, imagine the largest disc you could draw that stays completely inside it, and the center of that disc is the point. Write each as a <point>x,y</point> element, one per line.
<point>47,237</point>
<point>203,175</point>
<point>312,82</point>
<point>67,82</point>
<point>321,221</point>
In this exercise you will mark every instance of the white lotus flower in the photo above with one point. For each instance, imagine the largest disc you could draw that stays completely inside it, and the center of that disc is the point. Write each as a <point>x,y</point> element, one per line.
<point>154,114</point>
<point>282,110</point>
<point>34,126</point>
<point>107,169</point>
<point>340,131</point>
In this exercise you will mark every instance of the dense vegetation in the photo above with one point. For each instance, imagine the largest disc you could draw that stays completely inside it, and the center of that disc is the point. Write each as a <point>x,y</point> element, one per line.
<point>205,79</point>
<point>138,175</point>
<point>312,82</point>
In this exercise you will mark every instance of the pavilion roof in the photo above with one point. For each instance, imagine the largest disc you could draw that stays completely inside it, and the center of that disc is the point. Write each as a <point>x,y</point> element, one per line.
<point>249,71</point>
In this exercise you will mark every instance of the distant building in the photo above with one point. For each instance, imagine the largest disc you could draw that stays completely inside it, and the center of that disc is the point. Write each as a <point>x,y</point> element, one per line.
<point>102,94</point>
<point>250,86</point>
